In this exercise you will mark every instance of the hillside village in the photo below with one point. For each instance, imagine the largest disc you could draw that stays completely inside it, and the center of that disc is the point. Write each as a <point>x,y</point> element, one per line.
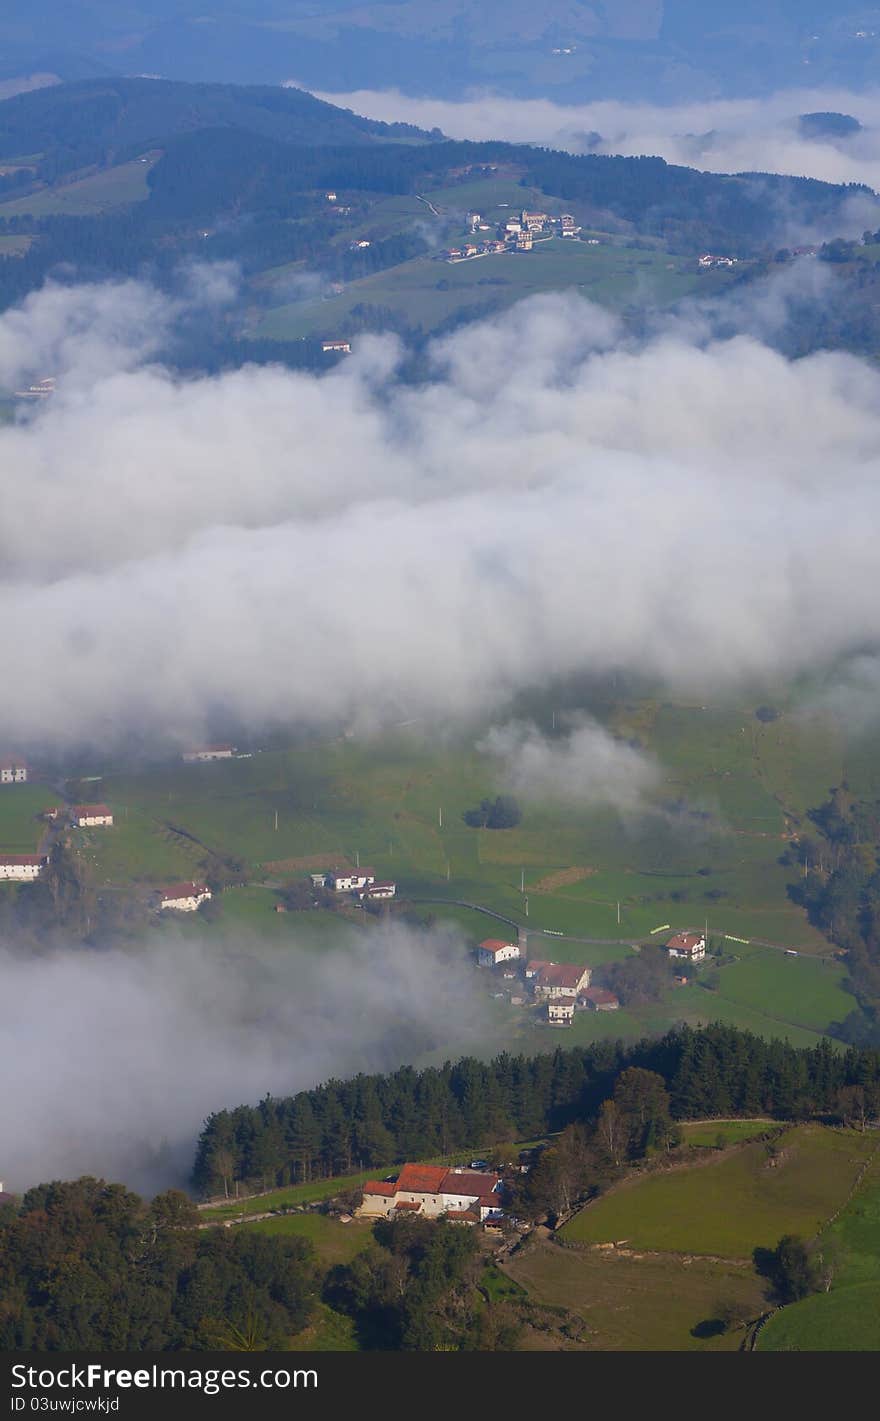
<point>514,234</point>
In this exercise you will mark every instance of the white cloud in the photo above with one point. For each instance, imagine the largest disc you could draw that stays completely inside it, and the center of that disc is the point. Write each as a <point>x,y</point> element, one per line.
<point>722,136</point>
<point>557,497</point>
<point>584,766</point>
<point>119,1055</point>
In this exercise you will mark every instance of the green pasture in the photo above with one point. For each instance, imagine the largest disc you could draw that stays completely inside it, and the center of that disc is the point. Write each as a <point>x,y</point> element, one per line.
<point>20,807</point>
<point>848,1317</point>
<point>88,196</point>
<point>637,1304</point>
<point>395,804</point>
<point>332,1241</point>
<point>426,292</point>
<point>707,1133</point>
<point>843,1320</point>
<point>745,1199</point>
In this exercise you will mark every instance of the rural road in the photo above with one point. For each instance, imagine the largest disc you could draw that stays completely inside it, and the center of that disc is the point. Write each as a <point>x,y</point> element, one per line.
<point>597,941</point>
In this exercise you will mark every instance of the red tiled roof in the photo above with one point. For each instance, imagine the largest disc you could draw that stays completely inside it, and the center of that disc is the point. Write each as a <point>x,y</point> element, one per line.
<point>91,811</point>
<point>182,890</point>
<point>380,1186</point>
<point>684,940</point>
<point>600,996</point>
<point>494,944</point>
<point>537,965</point>
<point>21,860</point>
<point>422,1178</point>
<point>489,1201</point>
<point>462,1214</point>
<point>13,762</point>
<point>561,974</point>
<point>468,1181</point>
<point>412,1205</point>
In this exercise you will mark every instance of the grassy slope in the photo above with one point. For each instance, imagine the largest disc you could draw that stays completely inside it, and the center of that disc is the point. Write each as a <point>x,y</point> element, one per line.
<point>84,197</point>
<point>20,805</point>
<point>382,800</point>
<point>735,1204</point>
<point>649,1304</point>
<point>848,1317</point>
<point>611,275</point>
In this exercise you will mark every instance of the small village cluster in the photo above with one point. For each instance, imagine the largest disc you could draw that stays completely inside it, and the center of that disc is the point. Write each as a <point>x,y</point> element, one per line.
<point>514,234</point>
<point>361,883</point>
<point>708,260</point>
<point>465,1195</point>
<point>564,987</point>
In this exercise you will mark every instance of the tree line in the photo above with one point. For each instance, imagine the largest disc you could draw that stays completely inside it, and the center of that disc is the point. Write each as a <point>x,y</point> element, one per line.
<point>374,1121</point>
<point>839,885</point>
<point>89,1265</point>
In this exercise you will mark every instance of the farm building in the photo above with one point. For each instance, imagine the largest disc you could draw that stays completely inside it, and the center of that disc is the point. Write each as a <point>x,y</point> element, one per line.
<point>691,946</point>
<point>599,999</point>
<point>91,816</point>
<point>560,1013</point>
<point>375,891</point>
<point>349,880</point>
<point>559,980</point>
<point>208,752</point>
<point>22,867</point>
<point>183,897</point>
<point>341,347</point>
<point>13,770</point>
<point>494,950</point>
<point>431,1190</point>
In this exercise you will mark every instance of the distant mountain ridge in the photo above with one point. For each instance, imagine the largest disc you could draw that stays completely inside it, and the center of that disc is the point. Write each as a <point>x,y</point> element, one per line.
<point>574,50</point>
<point>99,120</point>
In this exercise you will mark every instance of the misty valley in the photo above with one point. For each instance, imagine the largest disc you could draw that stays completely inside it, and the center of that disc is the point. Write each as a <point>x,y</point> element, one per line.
<point>439,735</point>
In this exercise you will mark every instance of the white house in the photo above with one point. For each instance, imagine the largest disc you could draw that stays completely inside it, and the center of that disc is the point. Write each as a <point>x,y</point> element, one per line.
<point>560,1013</point>
<point>91,816</point>
<point>208,752</point>
<point>377,890</point>
<point>691,946</point>
<point>467,1195</point>
<point>342,347</point>
<point>22,867</point>
<point>350,880</point>
<point>493,951</point>
<point>13,770</point>
<point>558,981</point>
<point>183,897</point>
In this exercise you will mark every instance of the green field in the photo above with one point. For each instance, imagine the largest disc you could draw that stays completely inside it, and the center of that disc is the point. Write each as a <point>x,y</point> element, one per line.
<point>602,883</point>
<point>20,807</point>
<point>708,1132</point>
<point>639,1304</point>
<point>848,1317</point>
<point>426,292</point>
<point>332,1241</point>
<point>87,196</point>
<point>730,1206</point>
<point>844,1320</point>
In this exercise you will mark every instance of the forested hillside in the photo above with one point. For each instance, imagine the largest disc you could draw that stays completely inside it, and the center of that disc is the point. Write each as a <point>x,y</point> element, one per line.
<point>378,1120</point>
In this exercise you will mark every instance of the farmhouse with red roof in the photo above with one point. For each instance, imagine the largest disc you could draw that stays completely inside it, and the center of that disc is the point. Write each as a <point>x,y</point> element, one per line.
<point>468,1195</point>
<point>494,950</point>
<point>23,867</point>
<point>691,946</point>
<point>556,980</point>
<point>183,897</point>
